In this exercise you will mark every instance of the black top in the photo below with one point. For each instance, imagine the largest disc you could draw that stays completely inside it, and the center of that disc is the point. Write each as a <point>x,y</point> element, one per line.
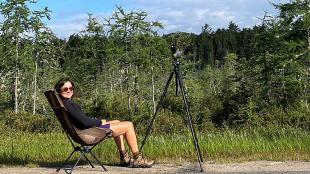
<point>79,118</point>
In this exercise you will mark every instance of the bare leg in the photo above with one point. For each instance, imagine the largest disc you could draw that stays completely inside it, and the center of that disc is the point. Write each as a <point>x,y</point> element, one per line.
<point>119,140</point>
<point>125,128</point>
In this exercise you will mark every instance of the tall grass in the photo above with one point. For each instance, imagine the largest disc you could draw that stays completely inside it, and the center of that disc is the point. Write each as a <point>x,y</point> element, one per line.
<point>233,146</point>
<point>20,148</point>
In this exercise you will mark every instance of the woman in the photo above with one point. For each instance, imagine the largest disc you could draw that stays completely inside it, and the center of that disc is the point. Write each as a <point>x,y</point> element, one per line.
<point>121,129</point>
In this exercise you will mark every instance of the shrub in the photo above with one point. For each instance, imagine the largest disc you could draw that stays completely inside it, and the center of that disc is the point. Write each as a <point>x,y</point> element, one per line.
<point>294,116</point>
<point>109,106</point>
<point>26,121</point>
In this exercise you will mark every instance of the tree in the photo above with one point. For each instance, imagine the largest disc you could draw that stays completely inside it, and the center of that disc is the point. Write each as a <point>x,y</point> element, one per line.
<point>21,26</point>
<point>205,48</point>
<point>277,69</point>
<point>294,18</point>
<point>244,43</point>
<point>14,28</point>
<point>44,52</point>
<point>93,47</point>
<point>232,34</point>
<point>123,29</point>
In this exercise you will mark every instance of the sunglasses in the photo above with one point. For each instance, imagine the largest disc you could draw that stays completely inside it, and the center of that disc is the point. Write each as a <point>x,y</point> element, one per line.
<point>67,89</point>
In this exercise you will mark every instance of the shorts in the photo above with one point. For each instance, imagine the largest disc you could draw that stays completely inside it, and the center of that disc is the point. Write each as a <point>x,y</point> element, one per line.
<point>106,126</point>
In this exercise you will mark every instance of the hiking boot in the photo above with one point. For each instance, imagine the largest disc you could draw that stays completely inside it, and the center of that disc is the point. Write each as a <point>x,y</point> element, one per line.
<point>125,159</point>
<point>141,162</point>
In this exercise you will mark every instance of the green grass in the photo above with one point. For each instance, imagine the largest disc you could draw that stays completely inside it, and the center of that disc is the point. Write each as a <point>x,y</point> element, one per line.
<point>50,149</point>
<point>233,146</point>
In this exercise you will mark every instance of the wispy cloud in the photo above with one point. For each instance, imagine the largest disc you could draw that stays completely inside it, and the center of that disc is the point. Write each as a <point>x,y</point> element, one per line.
<point>176,15</point>
<point>191,15</point>
<point>65,27</point>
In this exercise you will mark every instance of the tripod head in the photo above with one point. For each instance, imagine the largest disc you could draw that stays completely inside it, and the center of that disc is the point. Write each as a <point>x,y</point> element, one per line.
<point>176,53</point>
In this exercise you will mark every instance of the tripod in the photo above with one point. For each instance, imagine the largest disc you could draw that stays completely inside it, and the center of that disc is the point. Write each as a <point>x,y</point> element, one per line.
<point>179,81</point>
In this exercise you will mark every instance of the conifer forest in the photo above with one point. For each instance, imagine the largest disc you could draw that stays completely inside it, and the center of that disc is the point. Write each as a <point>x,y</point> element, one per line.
<point>235,78</point>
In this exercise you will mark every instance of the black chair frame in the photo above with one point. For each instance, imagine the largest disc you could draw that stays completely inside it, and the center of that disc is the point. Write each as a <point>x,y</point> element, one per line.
<point>83,151</point>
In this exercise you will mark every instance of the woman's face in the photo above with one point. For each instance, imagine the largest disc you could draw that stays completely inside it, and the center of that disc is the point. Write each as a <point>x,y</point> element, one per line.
<point>66,91</point>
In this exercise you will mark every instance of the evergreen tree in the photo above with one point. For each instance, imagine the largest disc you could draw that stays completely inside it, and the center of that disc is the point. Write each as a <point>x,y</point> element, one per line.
<point>124,28</point>
<point>18,26</point>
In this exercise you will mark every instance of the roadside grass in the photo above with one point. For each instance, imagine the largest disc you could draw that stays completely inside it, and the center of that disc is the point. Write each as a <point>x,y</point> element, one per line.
<point>51,149</point>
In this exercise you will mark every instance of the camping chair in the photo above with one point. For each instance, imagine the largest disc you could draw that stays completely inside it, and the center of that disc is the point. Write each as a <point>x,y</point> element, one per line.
<point>82,141</point>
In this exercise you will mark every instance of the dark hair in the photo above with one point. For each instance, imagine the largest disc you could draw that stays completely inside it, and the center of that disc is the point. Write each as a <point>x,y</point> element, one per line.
<point>61,82</point>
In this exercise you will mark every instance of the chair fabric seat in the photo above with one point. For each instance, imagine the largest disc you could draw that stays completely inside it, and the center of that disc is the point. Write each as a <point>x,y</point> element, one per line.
<point>91,135</point>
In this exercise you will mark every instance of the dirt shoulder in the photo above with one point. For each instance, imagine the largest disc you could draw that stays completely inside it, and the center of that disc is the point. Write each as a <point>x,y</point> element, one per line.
<point>257,166</point>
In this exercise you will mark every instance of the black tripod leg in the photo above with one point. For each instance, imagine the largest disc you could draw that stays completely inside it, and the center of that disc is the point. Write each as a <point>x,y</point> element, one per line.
<point>156,111</point>
<point>176,83</point>
<point>189,118</point>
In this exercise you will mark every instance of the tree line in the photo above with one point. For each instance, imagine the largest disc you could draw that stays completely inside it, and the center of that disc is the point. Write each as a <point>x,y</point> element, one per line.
<point>234,77</point>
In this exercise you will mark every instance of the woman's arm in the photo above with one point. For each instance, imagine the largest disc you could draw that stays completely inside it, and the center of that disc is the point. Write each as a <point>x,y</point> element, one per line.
<point>79,116</point>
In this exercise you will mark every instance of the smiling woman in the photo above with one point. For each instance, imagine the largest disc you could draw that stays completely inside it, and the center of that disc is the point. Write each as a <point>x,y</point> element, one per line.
<point>121,129</point>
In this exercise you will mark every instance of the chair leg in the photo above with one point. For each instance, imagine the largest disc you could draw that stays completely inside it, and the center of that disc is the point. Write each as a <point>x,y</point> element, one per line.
<point>82,150</point>
<point>63,164</point>
<point>76,163</point>
<point>88,160</point>
<point>105,169</point>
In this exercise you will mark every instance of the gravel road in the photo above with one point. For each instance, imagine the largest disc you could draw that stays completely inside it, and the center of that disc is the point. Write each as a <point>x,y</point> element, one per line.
<point>257,167</point>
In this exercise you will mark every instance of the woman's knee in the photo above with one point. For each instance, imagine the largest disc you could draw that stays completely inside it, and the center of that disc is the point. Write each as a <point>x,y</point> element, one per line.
<point>129,123</point>
<point>113,121</point>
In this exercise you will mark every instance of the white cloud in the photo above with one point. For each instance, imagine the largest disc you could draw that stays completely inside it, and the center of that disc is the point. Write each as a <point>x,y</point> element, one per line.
<point>66,29</point>
<point>201,13</point>
<point>219,14</point>
<point>191,15</point>
<point>68,26</point>
<point>175,14</point>
<point>181,15</point>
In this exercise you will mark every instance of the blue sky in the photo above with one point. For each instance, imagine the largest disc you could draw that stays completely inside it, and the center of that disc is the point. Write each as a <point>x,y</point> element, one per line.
<point>70,16</point>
